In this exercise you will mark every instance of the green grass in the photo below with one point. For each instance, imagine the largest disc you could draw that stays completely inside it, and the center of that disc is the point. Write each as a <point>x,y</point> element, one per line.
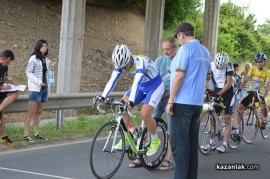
<point>81,127</point>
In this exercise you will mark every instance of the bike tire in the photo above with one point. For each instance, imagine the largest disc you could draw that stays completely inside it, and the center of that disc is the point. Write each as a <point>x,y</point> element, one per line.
<point>235,138</point>
<point>265,132</point>
<point>207,130</point>
<point>104,163</point>
<point>152,162</point>
<point>250,122</point>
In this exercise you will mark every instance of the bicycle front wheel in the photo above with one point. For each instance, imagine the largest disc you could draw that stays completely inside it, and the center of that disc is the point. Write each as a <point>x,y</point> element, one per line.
<point>104,160</point>
<point>235,137</point>
<point>153,161</point>
<point>265,132</point>
<point>206,132</point>
<point>250,122</point>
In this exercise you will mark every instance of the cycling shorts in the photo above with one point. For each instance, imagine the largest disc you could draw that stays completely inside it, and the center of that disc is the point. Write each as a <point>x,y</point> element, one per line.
<point>248,98</point>
<point>151,94</point>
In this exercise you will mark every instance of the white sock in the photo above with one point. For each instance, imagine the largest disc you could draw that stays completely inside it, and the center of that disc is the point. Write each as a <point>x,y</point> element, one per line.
<point>154,135</point>
<point>212,141</point>
<point>225,144</point>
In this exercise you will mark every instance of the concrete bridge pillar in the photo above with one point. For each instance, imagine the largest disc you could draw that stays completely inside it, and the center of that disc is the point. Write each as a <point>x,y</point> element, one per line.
<point>71,46</point>
<point>153,28</point>
<point>210,27</point>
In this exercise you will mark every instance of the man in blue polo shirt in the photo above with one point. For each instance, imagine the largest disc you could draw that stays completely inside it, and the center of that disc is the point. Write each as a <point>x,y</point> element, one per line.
<point>189,70</point>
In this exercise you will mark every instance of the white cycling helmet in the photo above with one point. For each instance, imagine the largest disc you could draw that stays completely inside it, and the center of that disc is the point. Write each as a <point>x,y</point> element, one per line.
<point>222,59</point>
<point>121,56</point>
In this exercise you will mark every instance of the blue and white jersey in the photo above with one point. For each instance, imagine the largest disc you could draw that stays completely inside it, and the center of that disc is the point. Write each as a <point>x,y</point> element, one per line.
<point>145,74</point>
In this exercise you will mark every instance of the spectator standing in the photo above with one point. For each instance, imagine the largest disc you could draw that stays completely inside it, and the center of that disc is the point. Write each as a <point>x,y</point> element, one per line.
<point>237,80</point>
<point>244,75</point>
<point>6,98</point>
<point>189,70</point>
<point>163,64</point>
<point>36,72</point>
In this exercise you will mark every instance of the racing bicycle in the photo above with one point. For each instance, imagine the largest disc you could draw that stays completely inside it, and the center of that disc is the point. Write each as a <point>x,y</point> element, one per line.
<point>105,161</point>
<point>212,124</point>
<point>252,119</point>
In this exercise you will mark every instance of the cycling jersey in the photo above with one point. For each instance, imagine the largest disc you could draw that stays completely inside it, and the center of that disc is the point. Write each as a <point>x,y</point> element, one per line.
<point>219,77</point>
<point>258,78</point>
<point>145,75</point>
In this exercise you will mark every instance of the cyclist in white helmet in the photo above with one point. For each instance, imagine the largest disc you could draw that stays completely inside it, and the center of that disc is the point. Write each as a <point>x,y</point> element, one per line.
<point>222,73</point>
<point>147,86</point>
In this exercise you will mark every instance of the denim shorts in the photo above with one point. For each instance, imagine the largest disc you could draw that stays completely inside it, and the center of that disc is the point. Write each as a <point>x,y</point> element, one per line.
<point>3,95</point>
<point>41,96</point>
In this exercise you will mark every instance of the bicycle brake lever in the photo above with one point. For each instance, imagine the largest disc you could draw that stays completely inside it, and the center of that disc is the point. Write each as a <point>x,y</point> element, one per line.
<point>131,115</point>
<point>100,110</point>
<point>95,102</point>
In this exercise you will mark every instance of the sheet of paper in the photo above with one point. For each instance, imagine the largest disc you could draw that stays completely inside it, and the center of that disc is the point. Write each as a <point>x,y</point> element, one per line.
<point>15,88</point>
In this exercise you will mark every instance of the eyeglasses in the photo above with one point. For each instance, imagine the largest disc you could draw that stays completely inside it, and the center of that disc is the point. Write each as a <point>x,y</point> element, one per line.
<point>167,49</point>
<point>259,61</point>
<point>178,34</point>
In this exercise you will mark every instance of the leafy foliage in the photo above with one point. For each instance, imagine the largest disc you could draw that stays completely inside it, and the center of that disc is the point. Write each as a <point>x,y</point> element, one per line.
<point>177,11</point>
<point>265,28</point>
<point>238,35</point>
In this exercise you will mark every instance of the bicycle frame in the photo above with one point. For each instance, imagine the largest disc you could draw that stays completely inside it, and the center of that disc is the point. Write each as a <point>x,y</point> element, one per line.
<point>117,131</point>
<point>256,106</point>
<point>212,110</point>
<point>214,125</point>
<point>120,123</point>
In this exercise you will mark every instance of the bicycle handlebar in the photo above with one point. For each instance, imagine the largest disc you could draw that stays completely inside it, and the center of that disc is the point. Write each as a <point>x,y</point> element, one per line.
<point>210,96</point>
<point>110,102</point>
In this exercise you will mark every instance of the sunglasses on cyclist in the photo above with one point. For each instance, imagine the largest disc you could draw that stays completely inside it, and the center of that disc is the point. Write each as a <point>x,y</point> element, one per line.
<point>259,61</point>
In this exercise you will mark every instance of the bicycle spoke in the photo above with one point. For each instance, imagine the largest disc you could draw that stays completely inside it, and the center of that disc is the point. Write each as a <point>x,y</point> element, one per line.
<point>152,162</point>
<point>206,131</point>
<point>265,132</point>
<point>250,125</point>
<point>235,137</point>
<point>104,160</point>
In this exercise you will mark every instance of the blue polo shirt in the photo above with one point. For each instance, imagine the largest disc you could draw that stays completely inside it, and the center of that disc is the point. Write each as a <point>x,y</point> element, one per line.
<point>163,64</point>
<point>193,59</point>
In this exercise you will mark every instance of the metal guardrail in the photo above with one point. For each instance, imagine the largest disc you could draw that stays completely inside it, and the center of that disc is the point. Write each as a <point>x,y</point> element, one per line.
<point>60,101</point>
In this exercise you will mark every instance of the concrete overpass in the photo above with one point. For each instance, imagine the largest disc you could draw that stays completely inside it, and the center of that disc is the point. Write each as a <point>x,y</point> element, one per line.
<point>72,33</point>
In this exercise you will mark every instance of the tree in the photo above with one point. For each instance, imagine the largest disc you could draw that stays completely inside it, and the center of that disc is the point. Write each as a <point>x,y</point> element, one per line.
<point>177,11</point>
<point>237,32</point>
<point>265,28</point>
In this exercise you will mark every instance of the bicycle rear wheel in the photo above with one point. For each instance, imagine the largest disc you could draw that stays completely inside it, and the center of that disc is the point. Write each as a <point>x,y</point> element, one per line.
<point>250,125</point>
<point>235,138</point>
<point>265,132</point>
<point>152,162</point>
<point>206,132</point>
<point>105,161</point>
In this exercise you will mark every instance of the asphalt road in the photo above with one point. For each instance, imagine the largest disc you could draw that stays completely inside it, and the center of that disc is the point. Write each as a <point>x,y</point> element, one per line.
<point>70,160</point>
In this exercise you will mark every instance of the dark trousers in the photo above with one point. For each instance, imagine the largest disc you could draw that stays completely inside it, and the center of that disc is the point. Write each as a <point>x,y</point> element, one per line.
<point>184,130</point>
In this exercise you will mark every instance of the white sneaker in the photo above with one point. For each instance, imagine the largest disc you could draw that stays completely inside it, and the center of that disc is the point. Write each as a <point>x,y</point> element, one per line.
<point>222,149</point>
<point>209,147</point>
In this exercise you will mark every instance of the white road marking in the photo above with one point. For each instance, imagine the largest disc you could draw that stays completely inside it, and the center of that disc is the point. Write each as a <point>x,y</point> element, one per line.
<point>43,147</point>
<point>41,174</point>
